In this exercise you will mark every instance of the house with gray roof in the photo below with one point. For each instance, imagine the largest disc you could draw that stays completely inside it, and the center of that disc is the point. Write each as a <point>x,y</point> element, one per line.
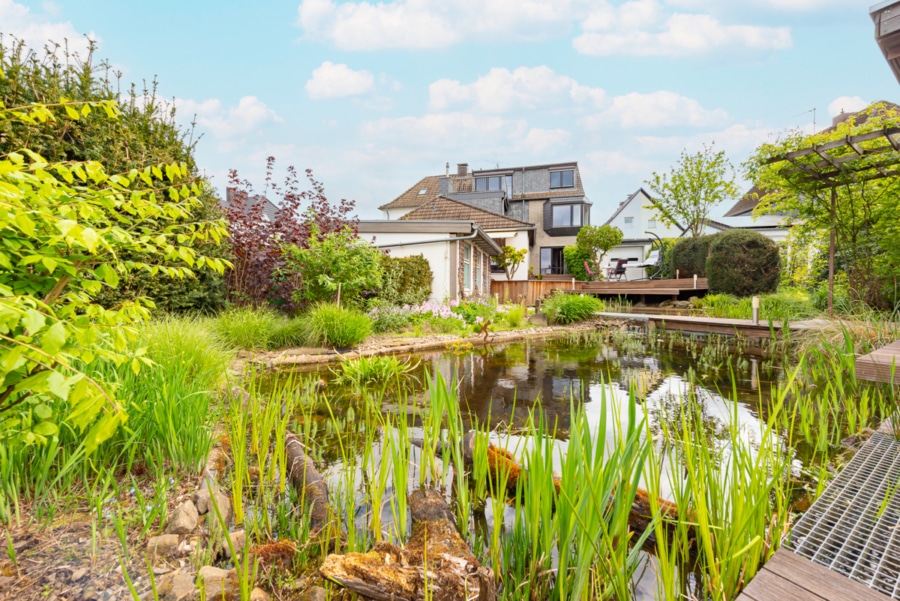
<point>547,198</point>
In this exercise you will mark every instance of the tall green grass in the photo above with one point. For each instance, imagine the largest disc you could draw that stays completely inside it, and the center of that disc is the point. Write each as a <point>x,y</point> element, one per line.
<point>563,308</point>
<point>171,416</point>
<point>781,306</point>
<point>258,329</point>
<point>336,326</point>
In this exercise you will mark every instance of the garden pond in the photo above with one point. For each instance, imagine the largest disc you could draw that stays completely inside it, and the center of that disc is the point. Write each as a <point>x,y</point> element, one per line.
<point>706,424</point>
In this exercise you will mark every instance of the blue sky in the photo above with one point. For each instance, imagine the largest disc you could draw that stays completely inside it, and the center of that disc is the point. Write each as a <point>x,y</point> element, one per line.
<point>374,95</point>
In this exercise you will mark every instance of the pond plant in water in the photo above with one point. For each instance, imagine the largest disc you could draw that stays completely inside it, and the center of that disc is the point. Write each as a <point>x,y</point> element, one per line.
<point>680,488</point>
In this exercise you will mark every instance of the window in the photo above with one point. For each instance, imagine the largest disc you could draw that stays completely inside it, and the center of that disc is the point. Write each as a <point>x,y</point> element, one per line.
<point>552,261</point>
<point>467,267</point>
<point>488,184</point>
<point>567,215</point>
<point>562,179</point>
<point>423,191</point>
<point>629,221</point>
<point>651,223</point>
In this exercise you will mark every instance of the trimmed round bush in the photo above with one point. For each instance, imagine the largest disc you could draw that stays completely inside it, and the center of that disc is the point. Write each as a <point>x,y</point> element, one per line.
<point>689,256</point>
<point>743,263</point>
<point>405,280</point>
<point>340,327</point>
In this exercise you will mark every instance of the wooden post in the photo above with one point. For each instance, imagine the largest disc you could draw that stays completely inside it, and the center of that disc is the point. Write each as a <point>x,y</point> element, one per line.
<point>831,255</point>
<point>339,295</point>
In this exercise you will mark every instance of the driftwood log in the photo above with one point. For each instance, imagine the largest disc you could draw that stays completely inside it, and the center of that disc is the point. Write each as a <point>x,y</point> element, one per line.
<point>501,461</point>
<point>436,563</point>
<point>308,481</point>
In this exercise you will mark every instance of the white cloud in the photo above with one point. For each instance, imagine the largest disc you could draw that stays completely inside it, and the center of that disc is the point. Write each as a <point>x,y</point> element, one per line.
<point>337,81</point>
<point>502,90</point>
<point>656,109</point>
<point>39,30</point>
<point>229,126</point>
<point>846,104</point>
<point>643,28</point>
<point>450,129</point>
<point>614,162</point>
<point>738,141</point>
<point>541,142</point>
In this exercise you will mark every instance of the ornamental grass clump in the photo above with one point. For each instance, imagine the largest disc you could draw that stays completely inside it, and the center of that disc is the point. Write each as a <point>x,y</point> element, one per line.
<point>247,328</point>
<point>336,326</point>
<point>565,308</point>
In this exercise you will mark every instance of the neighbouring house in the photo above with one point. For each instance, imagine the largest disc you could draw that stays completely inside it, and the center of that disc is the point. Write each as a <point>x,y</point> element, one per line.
<point>458,251</point>
<point>639,221</point>
<point>503,230</point>
<point>886,16</point>
<point>269,209</point>
<point>549,198</point>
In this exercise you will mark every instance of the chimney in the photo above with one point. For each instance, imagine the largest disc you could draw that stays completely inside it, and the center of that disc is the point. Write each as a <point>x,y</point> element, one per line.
<point>462,169</point>
<point>840,118</point>
<point>447,170</point>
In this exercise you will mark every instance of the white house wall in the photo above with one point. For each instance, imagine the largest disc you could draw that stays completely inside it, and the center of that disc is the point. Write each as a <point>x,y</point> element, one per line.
<point>518,240</point>
<point>436,253</point>
<point>643,219</point>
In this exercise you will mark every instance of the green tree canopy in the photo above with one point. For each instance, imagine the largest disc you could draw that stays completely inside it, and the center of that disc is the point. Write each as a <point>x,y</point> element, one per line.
<point>143,134</point>
<point>597,240</point>
<point>863,218</point>
<point>66,228</point>
<point>698,183</point>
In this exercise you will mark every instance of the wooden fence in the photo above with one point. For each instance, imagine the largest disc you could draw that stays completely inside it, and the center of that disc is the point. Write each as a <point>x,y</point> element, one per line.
<point>530,290</point>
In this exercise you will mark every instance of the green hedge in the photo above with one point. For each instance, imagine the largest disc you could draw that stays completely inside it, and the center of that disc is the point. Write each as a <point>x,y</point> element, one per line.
<point>405,280</point>
<point>689,256</point>
<point>743,263</point>
<point>575,258</point>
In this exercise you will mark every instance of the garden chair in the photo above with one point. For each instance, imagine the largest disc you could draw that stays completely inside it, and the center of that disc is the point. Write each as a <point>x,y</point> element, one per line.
<point>654,259</point>
<point>618,271</point>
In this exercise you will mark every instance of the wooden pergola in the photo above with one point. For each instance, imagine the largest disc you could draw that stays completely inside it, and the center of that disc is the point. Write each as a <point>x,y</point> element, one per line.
<point>852,159</point>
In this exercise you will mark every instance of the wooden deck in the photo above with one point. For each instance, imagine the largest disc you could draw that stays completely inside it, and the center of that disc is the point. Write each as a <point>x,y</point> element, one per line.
<point>644,288</point>
<point>787,576</point>
<point>713,325</point>
<point>881,365</point>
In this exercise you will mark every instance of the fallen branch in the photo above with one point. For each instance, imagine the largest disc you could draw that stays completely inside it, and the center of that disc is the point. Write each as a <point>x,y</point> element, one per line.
<point>308,481</point>
<point>436,564</point>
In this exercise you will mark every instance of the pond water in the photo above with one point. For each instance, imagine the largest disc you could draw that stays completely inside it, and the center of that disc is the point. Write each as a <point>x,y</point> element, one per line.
<point>499,387</point>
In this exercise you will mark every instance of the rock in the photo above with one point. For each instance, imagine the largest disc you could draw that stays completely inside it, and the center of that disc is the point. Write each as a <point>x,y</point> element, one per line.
<point>665,303</point>
<point>183,520</point>
<point>316,593</point>
<point>165,545</point>
<point>78,574</point>
<point>218,582</point>
<point>238,541</point>
<point>90,593</point>
<point>178,586</point>
<point>203,499</point>
<point>6,582</point>
<point>257,594</point>
<point>641,304</point>
<point>538,319</point>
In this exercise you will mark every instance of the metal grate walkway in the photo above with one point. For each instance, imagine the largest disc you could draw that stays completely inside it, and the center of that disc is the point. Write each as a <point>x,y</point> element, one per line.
<point>854,527</point>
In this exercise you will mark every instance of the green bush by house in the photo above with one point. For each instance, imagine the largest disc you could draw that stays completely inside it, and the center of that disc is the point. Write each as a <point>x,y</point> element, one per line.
<point>743,263</point>
<point>575,257</point>
<point>689,256</point>
<point>405,280</point>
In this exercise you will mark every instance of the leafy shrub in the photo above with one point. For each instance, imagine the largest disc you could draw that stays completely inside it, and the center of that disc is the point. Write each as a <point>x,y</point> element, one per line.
<point>515,316</point>
<point>568,308</point>
<point>743,263</point>
<point>575,257</point>
<point>405,280</point>
<point>475,310</point>
<point>258,243</point>
<point>668,265</point>
<point>689,256</point>
<point>331,262</point>
<point>247,328</point>
<point>340,327</point>
<point>389,318</point>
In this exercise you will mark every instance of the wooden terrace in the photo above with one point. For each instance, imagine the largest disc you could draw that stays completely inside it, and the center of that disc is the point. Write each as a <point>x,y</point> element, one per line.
<point>880,365</point>
<point>713,325</point>
<point>673,289</point>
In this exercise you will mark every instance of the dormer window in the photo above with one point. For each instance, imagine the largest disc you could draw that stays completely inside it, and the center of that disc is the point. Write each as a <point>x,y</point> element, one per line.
<point>423,191</point>
<point>562,179</point>
<point>488,184</point>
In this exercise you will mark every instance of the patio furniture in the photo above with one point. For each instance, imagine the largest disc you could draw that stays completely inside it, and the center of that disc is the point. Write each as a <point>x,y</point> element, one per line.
<point>618,271</point>
<point>654,260</point>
